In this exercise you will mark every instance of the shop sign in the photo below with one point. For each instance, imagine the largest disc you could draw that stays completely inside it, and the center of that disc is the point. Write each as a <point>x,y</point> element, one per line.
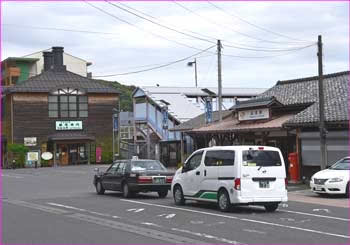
<point>69,125</point>
<point>254,114</point>
<point>47,155</point>
<point>30,141</point>
<point>33,156</point>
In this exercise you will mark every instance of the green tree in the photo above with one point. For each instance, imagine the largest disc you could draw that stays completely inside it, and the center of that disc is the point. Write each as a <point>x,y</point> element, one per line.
<point>19,152</point>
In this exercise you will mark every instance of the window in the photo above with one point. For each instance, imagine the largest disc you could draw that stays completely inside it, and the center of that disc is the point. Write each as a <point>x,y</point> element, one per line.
<point>121,168</point>
<point>261,158</point>
<point>113,168</point>
<point>194,161</point>
<point>69,103</point>
<point>219,158</point>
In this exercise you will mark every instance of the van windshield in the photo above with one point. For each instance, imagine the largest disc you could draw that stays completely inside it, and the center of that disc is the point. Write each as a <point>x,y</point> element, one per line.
<point>261,158</point>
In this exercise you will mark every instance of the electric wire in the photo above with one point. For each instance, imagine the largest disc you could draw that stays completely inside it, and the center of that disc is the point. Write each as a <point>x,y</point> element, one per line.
<point>254,25</point>
<point>158,67</point>
<point>135,26</point>
<point>224,26</point>
<point>229,44</point>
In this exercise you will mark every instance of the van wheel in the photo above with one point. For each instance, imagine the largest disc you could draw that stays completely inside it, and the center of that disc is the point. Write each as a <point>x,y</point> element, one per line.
<point>178,196</point>
<point>163,193</point>
<point>347,190</point>
<point>224,201</point>
<point>271,207</point>
<point>99,188</point>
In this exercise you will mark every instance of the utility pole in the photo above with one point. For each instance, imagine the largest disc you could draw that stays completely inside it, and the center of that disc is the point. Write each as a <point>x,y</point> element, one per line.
<point>195,71</point>
<point>321,105</point>
<point>219,79</point>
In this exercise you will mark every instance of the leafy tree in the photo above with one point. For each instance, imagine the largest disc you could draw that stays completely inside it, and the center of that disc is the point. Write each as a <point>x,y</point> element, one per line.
<point>19,152</point>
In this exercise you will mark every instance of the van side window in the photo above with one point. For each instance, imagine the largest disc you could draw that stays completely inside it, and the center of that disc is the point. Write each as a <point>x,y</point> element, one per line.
<point>195,161</point>
<point>219,158</point>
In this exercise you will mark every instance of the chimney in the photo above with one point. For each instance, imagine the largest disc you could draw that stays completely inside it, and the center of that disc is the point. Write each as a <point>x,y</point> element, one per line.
<point>48,61</point>
<point>58,59</point>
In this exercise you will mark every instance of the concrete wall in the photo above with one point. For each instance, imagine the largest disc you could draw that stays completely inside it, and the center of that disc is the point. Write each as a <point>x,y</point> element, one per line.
<point>74,64</point>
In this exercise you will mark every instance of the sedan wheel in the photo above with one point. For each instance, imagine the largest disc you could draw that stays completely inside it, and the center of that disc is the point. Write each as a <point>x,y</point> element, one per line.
<point>224,201</point>
<point>126,191</point>
<point>178,196</point>
<point>99,188</point>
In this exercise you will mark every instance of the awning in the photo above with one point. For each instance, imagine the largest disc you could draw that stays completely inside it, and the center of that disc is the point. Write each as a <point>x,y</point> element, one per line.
<point>233,125</point>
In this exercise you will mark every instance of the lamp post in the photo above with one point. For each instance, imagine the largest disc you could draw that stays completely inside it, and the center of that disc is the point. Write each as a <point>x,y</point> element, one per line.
<point>195,69</point>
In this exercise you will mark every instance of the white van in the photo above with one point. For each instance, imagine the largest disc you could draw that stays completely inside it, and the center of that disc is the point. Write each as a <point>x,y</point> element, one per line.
<point>232,175</point>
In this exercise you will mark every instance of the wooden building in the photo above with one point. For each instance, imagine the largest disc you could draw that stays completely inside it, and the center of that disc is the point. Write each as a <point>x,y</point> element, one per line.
<point>60,112</point>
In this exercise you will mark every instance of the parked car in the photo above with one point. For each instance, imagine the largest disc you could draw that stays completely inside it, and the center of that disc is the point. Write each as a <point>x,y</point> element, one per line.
<point>333,180</point>
<point>229,175</point>
<point>133,176</point>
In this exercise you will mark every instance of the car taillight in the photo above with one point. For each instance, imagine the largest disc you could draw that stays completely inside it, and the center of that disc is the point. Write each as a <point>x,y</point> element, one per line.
<point>169,179</point>
<point>286,182</point>
<point>144,179</point>
<point>237,184</point>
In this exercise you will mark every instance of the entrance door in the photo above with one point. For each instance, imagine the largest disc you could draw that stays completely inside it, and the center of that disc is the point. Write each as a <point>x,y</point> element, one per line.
<point>73,154</point>
<point>63,156</point>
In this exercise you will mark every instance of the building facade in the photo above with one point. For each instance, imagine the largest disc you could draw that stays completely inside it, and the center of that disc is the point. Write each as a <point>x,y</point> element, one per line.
<point>60,112</point>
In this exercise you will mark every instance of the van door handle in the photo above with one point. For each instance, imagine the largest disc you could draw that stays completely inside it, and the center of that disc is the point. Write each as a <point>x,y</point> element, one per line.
<point>205,172</point>
<point>198,173</point>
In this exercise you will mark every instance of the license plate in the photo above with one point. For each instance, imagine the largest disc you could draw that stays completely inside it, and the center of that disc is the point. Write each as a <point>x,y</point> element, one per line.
<point>318,188</point>
<point>264,184</point>
<point>158,180</point>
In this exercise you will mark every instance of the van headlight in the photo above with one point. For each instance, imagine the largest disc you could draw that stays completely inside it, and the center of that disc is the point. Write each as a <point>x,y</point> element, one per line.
<point>333,180</point>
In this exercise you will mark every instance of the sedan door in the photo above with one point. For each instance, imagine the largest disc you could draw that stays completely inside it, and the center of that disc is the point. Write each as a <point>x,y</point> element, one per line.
<point>107,178</point>
<point>118,176</point>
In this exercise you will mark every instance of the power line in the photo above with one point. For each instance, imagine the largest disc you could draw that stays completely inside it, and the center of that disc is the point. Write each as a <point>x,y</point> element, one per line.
<point>224,26</point>
<point>135,26</point>
<point>157,67</point>
<point>256,26</point>
<point>158,24</point>
<point>234,45</point>
<point>59,29</point>
<point>271,56</point>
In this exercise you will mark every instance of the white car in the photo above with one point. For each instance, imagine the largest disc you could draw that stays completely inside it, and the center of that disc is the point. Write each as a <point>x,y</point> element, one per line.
<point>334,180</point>
<point>233,175</point>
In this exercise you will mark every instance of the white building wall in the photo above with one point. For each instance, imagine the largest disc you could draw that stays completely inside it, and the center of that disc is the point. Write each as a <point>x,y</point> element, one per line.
<point>73,64</point>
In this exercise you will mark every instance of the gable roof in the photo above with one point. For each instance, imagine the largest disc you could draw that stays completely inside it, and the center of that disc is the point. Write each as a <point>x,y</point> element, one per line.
<point>305,91</point>
<point>50,80</point>
<point>257,102</point>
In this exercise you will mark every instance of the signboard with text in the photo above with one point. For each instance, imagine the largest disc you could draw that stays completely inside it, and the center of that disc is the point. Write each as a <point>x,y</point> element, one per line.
<point>255,114</point>
<point>69,125</point>
<point>30,141</point>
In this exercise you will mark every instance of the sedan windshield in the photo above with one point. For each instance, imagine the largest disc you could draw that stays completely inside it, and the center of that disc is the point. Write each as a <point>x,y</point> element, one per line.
<point>343,164</point>
<point>146,165</point>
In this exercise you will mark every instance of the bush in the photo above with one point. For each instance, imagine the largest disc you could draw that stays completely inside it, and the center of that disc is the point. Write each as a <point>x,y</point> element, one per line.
<point>19,152</point>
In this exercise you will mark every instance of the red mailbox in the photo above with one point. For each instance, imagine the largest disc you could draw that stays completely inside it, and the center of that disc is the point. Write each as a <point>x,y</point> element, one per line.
<point>294,166</point>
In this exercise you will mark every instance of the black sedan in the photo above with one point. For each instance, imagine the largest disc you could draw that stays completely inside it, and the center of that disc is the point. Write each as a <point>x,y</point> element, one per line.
<point>133,176</point>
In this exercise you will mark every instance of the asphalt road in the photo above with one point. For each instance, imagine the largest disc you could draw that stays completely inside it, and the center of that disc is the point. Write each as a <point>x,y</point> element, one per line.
<point>60,206</point>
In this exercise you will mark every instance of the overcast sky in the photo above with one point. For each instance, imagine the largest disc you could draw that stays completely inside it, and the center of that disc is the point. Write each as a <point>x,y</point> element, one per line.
<point>135,44</point>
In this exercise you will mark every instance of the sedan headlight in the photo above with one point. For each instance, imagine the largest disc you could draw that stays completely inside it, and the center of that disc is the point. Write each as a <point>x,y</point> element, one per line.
<point>333,180</point>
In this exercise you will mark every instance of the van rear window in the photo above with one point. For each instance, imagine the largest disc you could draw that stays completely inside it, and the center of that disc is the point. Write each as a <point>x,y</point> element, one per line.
<point>219,158</point>
<point>261,158</point>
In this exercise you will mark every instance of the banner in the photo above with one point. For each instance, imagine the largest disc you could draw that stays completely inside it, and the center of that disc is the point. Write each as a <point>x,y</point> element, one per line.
<point>208,110</point>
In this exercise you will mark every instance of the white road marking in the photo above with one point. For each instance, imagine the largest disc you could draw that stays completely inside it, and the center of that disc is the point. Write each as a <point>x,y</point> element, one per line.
<point>196,222</point>
<point>320,209</point>
<point>170,216</point>
<point>65,206</point>
<point>287,219</point>
<point>135,210</point>
<point>150,224</point>
<point>206,236</point>
<point>115,217</point>
<point>247,220</point>
<point>315,215</point>
<point>12,176</point>
<point>254,231</point>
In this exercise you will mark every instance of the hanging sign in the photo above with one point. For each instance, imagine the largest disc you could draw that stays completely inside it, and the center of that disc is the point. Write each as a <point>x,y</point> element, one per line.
<point>165,117</point>
<point>30,141</point>
<point>208,110</point>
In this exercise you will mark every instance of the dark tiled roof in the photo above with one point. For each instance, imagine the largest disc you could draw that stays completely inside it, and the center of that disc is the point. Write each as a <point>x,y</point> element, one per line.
<point>50,80</point>
<point>199,121</point>
<point>305,91</point>
<point>257,102</point>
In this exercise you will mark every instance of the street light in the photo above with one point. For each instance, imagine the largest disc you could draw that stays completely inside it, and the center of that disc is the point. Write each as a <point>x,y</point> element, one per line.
<point>195,69</point>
